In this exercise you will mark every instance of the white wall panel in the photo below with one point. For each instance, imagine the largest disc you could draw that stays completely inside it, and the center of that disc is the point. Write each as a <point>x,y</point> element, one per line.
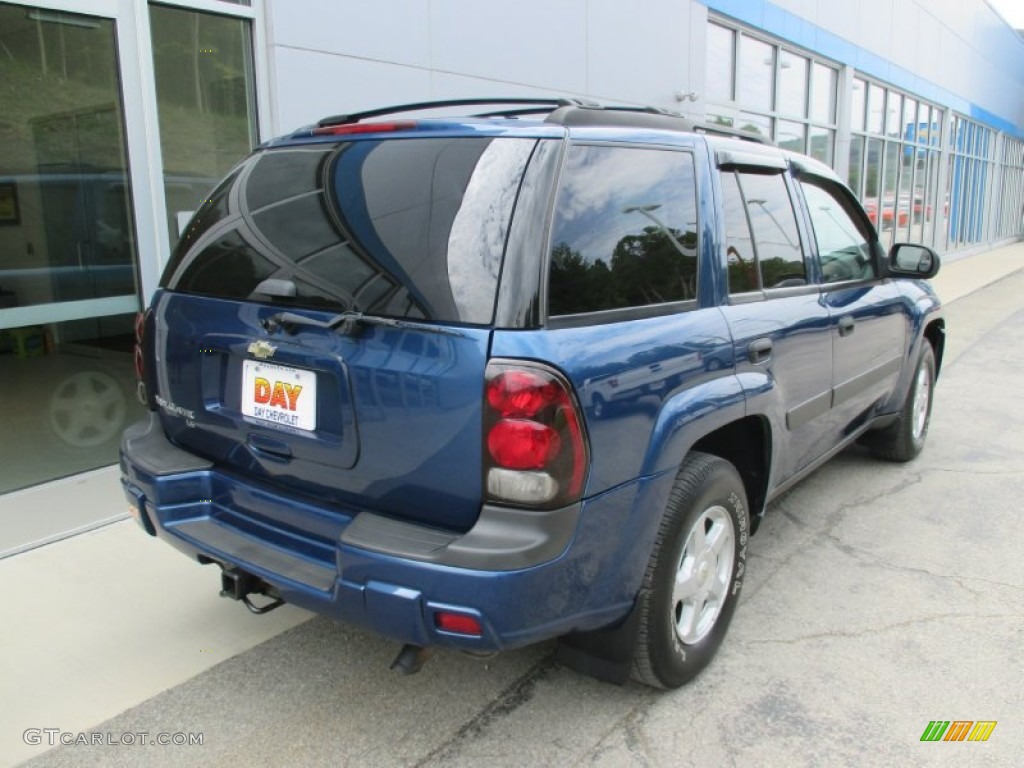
<point>903,40</point>
<point>529,42</point>
<point>641,56</point>
<point>311,85</point>
<point>397,31</point>
<point>640,52</point>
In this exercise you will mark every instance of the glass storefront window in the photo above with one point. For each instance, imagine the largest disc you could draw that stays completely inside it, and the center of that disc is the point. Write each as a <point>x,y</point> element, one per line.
<point>823,93</point>
<point>860,89</point>
<point>720,63</point>
<point>790,135</point>
<point>757,68</point>
<point>755,123</point>
<point>785,95</point>
<point>205,99</point>
<point>876,108</point>
<point>68,260</point>
<point>853,177</point>
<point>792,85</point>
<point>822,144</point>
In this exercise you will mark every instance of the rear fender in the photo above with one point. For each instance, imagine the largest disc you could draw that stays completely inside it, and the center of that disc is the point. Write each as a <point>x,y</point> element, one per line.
<point>688,416</point>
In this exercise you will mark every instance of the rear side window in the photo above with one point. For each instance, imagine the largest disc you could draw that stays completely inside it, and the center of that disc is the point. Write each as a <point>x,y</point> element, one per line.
<point>761,225</point>
<point>410,228</point>
<point>625,230</point>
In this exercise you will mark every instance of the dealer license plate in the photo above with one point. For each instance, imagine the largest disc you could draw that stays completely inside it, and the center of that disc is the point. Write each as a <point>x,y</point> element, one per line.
<point>279,394</point>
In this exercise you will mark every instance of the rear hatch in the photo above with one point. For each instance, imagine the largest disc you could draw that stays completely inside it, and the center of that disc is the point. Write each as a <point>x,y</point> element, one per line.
<point>323,325</point>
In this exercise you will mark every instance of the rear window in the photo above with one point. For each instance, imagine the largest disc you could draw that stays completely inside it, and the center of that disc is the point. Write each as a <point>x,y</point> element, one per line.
<point>410,228</point>
<point>625,230</point>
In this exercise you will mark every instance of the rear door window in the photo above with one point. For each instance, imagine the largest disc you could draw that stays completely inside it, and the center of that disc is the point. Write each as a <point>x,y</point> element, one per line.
<point>411,228</point>
<point>625,230</point>
<point>762,240</point>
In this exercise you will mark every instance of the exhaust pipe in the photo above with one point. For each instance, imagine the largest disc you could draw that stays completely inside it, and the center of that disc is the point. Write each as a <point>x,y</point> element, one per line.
<point>236,584</point>
<point>411,659</point>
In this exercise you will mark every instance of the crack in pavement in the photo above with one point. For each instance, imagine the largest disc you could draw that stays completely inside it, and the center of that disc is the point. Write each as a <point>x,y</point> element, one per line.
<point>839,635</point>
<point>514,696</point>
<point>631,724</point>
<point>828,523</point>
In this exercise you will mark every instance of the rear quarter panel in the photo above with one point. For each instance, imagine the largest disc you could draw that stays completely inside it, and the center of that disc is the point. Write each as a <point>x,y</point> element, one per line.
<point>679,369</point>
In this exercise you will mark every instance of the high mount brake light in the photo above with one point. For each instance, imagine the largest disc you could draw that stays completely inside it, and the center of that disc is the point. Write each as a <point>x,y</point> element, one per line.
<point>535,447</point>
<point>355,128</point>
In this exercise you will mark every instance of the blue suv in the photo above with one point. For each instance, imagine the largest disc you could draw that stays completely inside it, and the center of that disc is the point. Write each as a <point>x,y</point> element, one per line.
<point>479,382</point>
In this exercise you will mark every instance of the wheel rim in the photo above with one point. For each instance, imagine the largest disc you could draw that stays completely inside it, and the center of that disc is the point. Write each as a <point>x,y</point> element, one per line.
<point>922,399</point>
<point>702,577</point>
<point>87,409</point>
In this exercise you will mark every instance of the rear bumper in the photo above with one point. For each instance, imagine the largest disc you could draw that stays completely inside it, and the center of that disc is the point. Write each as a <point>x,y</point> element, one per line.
<point>527,576</point>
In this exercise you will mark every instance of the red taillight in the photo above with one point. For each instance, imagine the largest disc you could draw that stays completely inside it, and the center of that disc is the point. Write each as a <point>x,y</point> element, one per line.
<point>458,623</point>
<point>536,452</point>
<point>143,388</point>
<point>354,128</point>
<point>140,331</point>
<point>522,444</point>
<point>520,393</point>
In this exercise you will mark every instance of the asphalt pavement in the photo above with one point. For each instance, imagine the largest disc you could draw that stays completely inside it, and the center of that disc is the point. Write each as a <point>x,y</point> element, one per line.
<point>879,598</point>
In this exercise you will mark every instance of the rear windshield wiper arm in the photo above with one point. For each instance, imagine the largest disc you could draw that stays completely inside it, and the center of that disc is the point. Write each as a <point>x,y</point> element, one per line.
<point>348,323</point>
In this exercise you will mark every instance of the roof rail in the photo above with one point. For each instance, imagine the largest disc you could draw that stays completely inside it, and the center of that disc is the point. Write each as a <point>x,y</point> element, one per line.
<point>539,104</point>
<point>562,111</point>
<point>727,130</point>
<point>646,117</point>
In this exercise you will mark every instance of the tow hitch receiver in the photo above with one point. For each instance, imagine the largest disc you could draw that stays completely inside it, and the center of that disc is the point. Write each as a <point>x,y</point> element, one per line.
<point>238,585</point>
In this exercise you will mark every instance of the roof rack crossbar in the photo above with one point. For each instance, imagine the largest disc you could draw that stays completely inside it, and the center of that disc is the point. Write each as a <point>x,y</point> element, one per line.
<point>736,133</point>
<point>355,117</point>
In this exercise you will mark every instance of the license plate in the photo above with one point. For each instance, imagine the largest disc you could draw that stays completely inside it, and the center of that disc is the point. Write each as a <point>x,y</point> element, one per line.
<point>278,394</point>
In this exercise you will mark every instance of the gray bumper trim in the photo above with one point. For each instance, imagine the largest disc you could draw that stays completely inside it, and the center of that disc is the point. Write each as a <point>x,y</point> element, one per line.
<point>502,539</point>
<point>147,446</point>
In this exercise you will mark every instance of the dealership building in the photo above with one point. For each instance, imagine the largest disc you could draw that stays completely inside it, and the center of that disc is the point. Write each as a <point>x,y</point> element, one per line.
<point>118,116</point>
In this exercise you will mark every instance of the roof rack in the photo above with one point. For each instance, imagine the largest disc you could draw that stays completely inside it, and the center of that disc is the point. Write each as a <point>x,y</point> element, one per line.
<point>539,107</point>
<point>561,111</point>
<point>647,117</point>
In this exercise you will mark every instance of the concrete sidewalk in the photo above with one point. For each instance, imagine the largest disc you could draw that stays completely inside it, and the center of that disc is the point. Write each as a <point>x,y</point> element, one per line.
<point>100,622</point>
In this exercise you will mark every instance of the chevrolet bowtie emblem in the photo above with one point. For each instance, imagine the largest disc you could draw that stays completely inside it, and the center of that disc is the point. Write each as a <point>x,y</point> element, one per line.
<point>262,349</point>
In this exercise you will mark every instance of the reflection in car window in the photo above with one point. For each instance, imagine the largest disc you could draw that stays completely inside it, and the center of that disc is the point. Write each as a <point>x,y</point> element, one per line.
<point>413,228</point>
<point>773,223</point>
<point>625,231</point>
<point>843,243</point>
<point>744,275</point>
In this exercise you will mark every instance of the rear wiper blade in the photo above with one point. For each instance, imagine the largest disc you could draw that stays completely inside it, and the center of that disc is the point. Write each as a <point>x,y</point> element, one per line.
<point>349,323</point>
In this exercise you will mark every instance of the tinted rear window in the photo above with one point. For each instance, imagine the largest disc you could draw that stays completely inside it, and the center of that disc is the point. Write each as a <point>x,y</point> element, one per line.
<point>625,230</point>
<point>406,228</point>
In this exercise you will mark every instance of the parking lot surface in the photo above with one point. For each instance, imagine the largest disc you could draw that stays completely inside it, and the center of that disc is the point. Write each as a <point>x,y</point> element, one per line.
<point>880,597</point>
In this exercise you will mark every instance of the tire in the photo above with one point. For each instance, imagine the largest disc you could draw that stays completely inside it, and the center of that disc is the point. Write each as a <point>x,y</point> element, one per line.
<point>600,408</point>
<point>904,439</point>
<point>693,580</point>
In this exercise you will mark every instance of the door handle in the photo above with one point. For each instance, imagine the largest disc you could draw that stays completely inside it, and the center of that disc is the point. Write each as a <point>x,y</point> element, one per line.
<point>846,326</point>
<point>760,351</point>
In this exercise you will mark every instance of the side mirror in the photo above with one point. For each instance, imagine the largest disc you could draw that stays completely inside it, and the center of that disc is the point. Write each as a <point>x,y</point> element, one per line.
<point>912,260</point>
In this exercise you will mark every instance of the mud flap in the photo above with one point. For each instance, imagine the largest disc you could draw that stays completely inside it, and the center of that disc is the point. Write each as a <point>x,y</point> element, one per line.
<point>605,654</point>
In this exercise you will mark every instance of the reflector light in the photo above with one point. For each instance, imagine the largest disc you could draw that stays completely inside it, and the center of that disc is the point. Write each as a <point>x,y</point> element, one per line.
<point>458,623</point>
<point>352,128</point>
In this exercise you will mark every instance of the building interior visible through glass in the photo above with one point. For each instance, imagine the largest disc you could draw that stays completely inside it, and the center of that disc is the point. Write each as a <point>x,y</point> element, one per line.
<point>68,254</point>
